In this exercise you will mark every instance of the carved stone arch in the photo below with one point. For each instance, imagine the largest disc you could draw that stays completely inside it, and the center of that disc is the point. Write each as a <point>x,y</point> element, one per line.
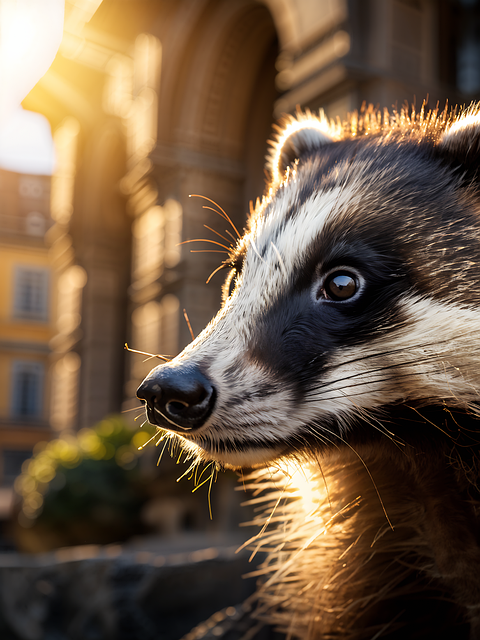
<point>284,13</point>
<point>220,85</point>
<point>300,23</point>
<point>207,93</point>
<point>216,98</point>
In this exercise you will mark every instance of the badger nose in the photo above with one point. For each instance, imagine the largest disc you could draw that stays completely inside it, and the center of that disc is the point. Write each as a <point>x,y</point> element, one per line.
<point>179,398</point>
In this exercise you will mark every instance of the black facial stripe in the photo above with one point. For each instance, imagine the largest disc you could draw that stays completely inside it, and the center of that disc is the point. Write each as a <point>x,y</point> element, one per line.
<point>369,239</point>
<point>411,228</point>
<point>409,207</point>
<point>307,333</point>
<point>260,392</point>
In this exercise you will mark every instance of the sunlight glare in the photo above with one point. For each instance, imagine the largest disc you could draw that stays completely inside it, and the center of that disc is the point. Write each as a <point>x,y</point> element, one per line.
<point>26,144</point>
<point>30,35</point>
<point>302,484</point>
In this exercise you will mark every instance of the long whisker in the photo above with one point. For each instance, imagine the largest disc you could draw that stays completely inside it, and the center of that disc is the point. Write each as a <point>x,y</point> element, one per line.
<point>323,438</point>
<point>171,421</point>
<point>162,451</point>
<point>216,233</point>
<point>225,215</point>
<point>149,358</point>
<point>207,251</point>
<point>147,442</point>
<point>320,467</point>
<point>326,388</point>
<point>430,422</point>
<point>213,477</point>
<point>408,348</point>
<point>190,468</point>
<point>231,235</point>
<point>263,529</point>
<point>380,369</point>
<point>185,315</point>
<point>150,355</point>
<point>379,426</point>
<point>204,240</point>
<point>222,266</point>
<point>226,230</point>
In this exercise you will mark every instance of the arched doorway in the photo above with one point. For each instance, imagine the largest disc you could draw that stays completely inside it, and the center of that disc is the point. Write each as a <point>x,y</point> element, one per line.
<point>215,112</point>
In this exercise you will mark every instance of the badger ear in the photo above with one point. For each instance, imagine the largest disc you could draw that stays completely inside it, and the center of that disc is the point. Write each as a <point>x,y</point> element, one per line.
<point>298,136</point>
<point>461,143</point>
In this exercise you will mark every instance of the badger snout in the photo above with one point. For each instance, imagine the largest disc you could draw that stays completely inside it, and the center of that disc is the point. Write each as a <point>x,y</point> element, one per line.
<point>177,397</point>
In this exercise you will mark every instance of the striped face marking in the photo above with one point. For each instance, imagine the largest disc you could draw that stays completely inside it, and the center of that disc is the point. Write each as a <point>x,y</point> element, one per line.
<point>355,292</point>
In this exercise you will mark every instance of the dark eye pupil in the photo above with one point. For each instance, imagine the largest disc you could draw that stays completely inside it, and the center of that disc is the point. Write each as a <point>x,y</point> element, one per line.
<point>340,286</point>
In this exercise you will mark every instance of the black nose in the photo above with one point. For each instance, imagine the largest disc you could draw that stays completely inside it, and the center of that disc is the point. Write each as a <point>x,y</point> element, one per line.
<point>179,398</point>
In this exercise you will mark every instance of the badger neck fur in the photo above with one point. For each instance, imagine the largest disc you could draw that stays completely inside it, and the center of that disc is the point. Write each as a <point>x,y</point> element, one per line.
<point>345,365</point>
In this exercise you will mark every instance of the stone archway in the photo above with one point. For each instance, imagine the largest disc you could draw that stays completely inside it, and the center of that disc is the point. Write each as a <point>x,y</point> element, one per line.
<point>215,111</point>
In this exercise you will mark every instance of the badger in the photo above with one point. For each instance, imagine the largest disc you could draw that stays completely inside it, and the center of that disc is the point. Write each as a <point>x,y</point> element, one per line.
<point>344,365</point>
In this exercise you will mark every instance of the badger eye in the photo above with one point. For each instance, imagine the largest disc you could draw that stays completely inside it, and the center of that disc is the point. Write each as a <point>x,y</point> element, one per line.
<point>340,285</point>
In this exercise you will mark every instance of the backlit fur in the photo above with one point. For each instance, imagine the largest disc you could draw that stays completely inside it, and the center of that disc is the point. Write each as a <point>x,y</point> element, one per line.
<point>370,404</point>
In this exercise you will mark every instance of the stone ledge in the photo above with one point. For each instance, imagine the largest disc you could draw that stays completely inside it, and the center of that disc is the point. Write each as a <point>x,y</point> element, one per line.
<point>117,593</point>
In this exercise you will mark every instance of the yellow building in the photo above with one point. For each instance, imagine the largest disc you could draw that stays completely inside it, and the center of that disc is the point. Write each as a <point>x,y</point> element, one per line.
<point>26,303</point>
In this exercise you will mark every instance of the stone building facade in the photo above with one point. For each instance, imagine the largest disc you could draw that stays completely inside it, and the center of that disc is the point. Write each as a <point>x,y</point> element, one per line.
<point>154,100</point>
<point>27,298</point>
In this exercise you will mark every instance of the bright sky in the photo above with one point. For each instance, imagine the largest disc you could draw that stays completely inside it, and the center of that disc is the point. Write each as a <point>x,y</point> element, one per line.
<point>26,144</point>
<point>30,34</point>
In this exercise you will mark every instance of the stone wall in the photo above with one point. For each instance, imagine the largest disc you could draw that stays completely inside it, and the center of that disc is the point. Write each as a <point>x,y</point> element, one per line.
<point>112,593</point>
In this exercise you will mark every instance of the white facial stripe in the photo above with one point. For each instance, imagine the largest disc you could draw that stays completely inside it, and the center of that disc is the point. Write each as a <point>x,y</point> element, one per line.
<point>277,413</point>
<point>264,275</point>
<point>293,235</point>
<point>410,363</point>
<point>407,364</point>
<point>250,410</point>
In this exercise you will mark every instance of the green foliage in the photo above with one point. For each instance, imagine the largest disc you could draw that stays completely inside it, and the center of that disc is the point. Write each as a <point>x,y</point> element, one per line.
<point>90,478</point>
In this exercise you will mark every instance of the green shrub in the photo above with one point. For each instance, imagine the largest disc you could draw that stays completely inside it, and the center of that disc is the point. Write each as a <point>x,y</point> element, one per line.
<point>83,488</point>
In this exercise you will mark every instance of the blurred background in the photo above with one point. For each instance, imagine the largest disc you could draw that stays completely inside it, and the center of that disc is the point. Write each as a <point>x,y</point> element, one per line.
<point>145,103</point>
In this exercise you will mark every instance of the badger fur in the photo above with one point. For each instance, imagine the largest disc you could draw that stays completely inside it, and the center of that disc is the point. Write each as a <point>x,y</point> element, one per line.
<point>345,365</point>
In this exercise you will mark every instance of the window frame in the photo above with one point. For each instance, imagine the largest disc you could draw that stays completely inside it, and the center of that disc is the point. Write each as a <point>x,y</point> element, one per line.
<point>20,368</point>
<point>41,313</point>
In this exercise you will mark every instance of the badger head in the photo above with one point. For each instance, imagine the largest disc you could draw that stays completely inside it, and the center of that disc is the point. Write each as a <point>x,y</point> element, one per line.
<point>354,293</point>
